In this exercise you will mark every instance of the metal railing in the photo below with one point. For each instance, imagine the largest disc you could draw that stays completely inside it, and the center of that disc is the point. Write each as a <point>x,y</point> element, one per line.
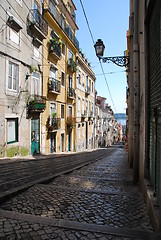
<point>35,17</point>
<point>54,85</point>
<point>55,123</point>
<point>71,92</point>
<point>55,48</point>
<point>59,19</point>
<point>87,90</point>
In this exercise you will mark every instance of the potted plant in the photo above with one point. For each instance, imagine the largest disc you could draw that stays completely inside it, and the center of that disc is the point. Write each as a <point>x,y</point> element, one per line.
<point>54,114</point>
<point>71,122</point>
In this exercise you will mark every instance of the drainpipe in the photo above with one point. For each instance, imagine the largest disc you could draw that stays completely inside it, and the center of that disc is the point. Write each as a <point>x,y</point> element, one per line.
<point>136,93</point>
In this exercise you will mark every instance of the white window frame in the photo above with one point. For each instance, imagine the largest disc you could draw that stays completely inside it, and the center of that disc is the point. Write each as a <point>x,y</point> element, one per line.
<point>14,36</point>
<point>11,90</point>
<point>79,103</point>
<point>35,86</point>
<point>83,80</point>
<point>54,108</point>
<point>79,77</point>
<point>83,105</point>
<point>19,2</point>
<point>70,107</point>
<point>70,54</point>
<point>63,49</point>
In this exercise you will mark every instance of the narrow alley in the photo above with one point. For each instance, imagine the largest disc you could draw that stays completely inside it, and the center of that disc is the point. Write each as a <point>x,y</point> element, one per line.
<point>96,201</point>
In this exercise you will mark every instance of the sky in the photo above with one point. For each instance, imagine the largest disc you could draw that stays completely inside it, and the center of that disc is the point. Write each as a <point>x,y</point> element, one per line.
<point>109,21</point>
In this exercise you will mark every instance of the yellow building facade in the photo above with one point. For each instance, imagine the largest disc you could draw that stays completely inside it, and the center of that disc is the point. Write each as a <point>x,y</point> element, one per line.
<point>85,104</point>
<point>59,77</point>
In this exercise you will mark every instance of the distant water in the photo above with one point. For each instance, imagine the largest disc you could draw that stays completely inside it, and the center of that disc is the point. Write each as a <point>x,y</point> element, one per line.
<point>121,118</point>
<point>122,121</point>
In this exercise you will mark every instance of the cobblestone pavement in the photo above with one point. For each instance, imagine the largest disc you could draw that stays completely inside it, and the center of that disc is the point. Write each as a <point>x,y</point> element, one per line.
<point>97,201</point>
<point>17,174</point>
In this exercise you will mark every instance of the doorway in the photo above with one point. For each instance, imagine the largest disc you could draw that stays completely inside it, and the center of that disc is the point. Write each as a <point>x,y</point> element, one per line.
<point>35,143</point>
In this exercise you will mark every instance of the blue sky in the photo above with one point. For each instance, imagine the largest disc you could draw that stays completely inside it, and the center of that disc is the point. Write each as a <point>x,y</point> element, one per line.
<point>108,20</point>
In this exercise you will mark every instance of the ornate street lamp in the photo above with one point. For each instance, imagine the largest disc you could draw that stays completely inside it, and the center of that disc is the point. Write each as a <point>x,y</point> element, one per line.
<point>121,61</point>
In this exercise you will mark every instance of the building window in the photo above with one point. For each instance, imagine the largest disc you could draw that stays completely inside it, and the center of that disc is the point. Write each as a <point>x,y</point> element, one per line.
<point>35,83</point>
<point>12,130</point>
<point>79,102</point>
<point>83,80</point>
<point>14,36</point>
<point>89,85</point>
<point>36,53</point>
<point>13,76</point>
<point>63,48</point>
<point>92,87</point>
<point>86,105</point>
<point>52,108</point>
<point>70,55</point>
<point>19,1</point>
<point>62,111</point>
<point>86,82</point>
<point>62,21</point>
<point>69,111</point>
<point>79,77</point>
<point>83,106</point>
<point>62,78</point>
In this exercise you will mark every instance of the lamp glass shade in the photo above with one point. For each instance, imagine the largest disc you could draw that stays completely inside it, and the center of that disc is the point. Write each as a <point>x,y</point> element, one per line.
<point>99,48</point>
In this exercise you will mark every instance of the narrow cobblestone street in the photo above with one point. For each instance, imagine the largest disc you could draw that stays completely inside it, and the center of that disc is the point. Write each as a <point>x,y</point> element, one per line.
<point>97,201</point>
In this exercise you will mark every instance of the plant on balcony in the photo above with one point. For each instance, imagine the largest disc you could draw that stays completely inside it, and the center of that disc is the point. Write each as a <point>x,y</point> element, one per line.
<point>52,123</point>
<point>71,122</point>
<point>34,68</point>
<point>52,41</point>
<point>37,104</point>
<point>72,65</point>
<point>54,114</point>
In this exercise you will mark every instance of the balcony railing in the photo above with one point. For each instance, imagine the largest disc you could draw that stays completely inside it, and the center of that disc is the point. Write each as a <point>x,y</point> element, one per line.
<point>71,36</point>
<point>71,93</point>
<point>72,65</point>
<point>37,24</point>
<point>54,124</point>
<point>55,49</point>
<point>71,122</point>
<point>50,6</point>
<point>90,115</point>
<point>84,114</point>
<point>87,90</point>
<point>54,85</point>
<point>36,104</point>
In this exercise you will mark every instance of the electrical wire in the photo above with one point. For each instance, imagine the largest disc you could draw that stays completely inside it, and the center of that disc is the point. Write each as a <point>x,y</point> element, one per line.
<point>110,73</point>
<point>85,15</point>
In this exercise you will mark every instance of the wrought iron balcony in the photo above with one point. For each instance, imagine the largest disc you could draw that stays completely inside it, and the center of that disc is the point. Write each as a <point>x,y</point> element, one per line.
<point>37,24</point>
<point>36,104</point>
<point>50,6</point>
<point>71,36</point>
<point>87,90</point>
<point>55,49</point>
<point>90,115</point>
<point>71,122</point>
<point>54,124</point>
<point>71,93</point>
<point>54,85</point>
<point>72,65</point>
<point>84,115</point>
